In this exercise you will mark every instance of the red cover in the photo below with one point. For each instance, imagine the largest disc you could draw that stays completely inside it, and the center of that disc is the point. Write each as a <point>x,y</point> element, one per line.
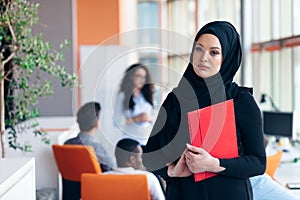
<point>213,129</point>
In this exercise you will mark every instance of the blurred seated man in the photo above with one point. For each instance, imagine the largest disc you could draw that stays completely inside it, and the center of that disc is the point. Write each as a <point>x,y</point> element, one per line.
<point>88,121</point>
<point>265,188</point>
<point>128,154</point>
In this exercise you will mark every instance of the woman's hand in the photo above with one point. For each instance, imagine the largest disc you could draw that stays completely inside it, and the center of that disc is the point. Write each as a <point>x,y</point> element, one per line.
<point>143,117</point>
<point>180,169</point>
<point>199,160</point>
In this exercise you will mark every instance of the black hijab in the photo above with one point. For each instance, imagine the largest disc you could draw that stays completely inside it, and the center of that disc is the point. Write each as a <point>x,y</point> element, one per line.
<point>170,132</point>
<point>219,87</point>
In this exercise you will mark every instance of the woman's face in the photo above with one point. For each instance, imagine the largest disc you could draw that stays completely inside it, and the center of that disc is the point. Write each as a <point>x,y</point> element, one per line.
<point>139,78</point>
<point>207,56</point>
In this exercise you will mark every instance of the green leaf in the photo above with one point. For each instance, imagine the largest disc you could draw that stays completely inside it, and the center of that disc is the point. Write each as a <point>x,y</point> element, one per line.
<point>33,59</point>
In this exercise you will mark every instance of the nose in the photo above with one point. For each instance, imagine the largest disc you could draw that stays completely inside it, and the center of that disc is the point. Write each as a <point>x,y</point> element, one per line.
<point>204,57</point>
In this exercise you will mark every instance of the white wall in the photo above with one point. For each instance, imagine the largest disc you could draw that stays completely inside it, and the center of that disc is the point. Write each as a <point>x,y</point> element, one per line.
<point>17,178</point>
<point>101,71</point>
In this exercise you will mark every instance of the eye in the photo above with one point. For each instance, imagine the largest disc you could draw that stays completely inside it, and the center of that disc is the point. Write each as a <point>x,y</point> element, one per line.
<point>198,49</point>
<point>215,53</point>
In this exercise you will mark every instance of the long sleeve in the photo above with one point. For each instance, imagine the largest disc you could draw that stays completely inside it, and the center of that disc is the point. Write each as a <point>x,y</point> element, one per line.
<point>252,158</point>
<point>160,148</point>
<point>103,157</point>
<point>154,188</point>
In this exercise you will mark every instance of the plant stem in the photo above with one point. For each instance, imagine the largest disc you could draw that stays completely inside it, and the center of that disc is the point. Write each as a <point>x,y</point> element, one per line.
<point>2,113</point>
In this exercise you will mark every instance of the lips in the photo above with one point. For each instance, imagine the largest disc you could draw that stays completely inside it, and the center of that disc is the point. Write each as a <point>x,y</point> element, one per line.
<point>203,67</point>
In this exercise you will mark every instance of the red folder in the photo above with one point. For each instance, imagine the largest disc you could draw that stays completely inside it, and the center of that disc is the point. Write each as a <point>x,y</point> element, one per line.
<point>213,129</point>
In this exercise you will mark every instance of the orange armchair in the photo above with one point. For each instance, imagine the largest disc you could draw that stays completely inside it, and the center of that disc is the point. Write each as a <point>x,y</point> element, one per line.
<point>273,162</point>
<point>114,186</point>
<point>72,161</point>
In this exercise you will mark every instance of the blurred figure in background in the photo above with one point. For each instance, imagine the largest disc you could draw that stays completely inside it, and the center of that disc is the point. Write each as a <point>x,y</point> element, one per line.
<point>265,188</point>
<point>88,121</point>
<point>134,105</point>
<point>128,154</point>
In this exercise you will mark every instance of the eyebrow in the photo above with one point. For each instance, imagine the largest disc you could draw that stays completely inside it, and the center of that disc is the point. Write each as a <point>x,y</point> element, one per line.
<point>210,48</point>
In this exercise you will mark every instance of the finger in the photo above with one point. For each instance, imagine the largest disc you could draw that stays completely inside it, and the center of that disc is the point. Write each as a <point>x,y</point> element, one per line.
<point>189,155</point>
<point>197,150</point>
<point>194,149</point>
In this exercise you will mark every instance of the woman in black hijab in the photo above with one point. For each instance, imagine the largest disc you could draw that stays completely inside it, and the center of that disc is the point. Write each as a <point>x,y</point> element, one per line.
<point>208,80</point>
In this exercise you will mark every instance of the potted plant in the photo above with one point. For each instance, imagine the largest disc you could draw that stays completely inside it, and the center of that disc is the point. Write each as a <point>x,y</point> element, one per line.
<point>25,59</point>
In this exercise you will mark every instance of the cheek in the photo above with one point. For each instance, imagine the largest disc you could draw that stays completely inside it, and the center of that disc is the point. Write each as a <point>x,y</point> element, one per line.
<point>195,58</point>
<point>218,64</point>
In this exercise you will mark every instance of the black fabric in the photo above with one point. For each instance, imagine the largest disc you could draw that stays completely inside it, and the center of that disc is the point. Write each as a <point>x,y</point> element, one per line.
<point>71,190</point>
<point>170,131</point>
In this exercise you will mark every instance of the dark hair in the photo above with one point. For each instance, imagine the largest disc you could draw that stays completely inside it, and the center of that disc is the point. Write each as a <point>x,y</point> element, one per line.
<point>127,86</point>
<point>124,150</point>
<point>88,115</point>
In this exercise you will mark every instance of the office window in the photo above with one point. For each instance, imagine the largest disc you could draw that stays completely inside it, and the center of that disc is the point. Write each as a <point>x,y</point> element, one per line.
<point>255,20</point>
<point>275,76</point>
<point>209,10</point>
<point>286,86</point>
<point>148,17</point>
<point>182,17</point>
<point>275,22</point>
<point>182,24</point>
<point>286,15</point>
<point>256,74</point>
<point>296,13</point>
<point>264,20</point>
<point>265,72</point>
<point>149,42</point>
<point>297,84</point>
<point>178,64</point>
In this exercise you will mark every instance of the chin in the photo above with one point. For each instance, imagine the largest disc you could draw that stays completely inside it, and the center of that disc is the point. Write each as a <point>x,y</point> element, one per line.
<point>201,74</point>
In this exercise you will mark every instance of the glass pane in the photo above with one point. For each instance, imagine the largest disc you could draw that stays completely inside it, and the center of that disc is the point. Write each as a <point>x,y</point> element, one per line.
<point>275,77</point>
<point>182,16</point>
<point>255,21</point>
<point>275,19</point>
<point>286,18</point>
<point>264,20</point>
<point>229,10</point>
<point>148,13</point>
<point>178,65</point>
<point>296,18</point>
<point>297,86</point>
<point>265,74</point>
<point>256,75</point>
<point>209,10</point>
<point>285,82</point>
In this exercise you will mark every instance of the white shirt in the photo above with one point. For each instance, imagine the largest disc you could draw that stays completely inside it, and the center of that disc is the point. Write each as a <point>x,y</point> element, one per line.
<point>156,192</point>
<point>137,131</point>
<point>265,188</point>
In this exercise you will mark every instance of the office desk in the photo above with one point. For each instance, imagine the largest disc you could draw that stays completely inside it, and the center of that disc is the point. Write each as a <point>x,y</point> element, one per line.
<point>288,171</point>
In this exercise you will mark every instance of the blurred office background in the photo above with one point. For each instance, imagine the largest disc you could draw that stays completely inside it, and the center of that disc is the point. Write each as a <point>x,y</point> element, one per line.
<point>159,33</point>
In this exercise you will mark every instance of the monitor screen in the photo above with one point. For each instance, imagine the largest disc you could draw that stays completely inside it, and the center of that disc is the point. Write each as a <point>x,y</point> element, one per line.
<point>278,124</point>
